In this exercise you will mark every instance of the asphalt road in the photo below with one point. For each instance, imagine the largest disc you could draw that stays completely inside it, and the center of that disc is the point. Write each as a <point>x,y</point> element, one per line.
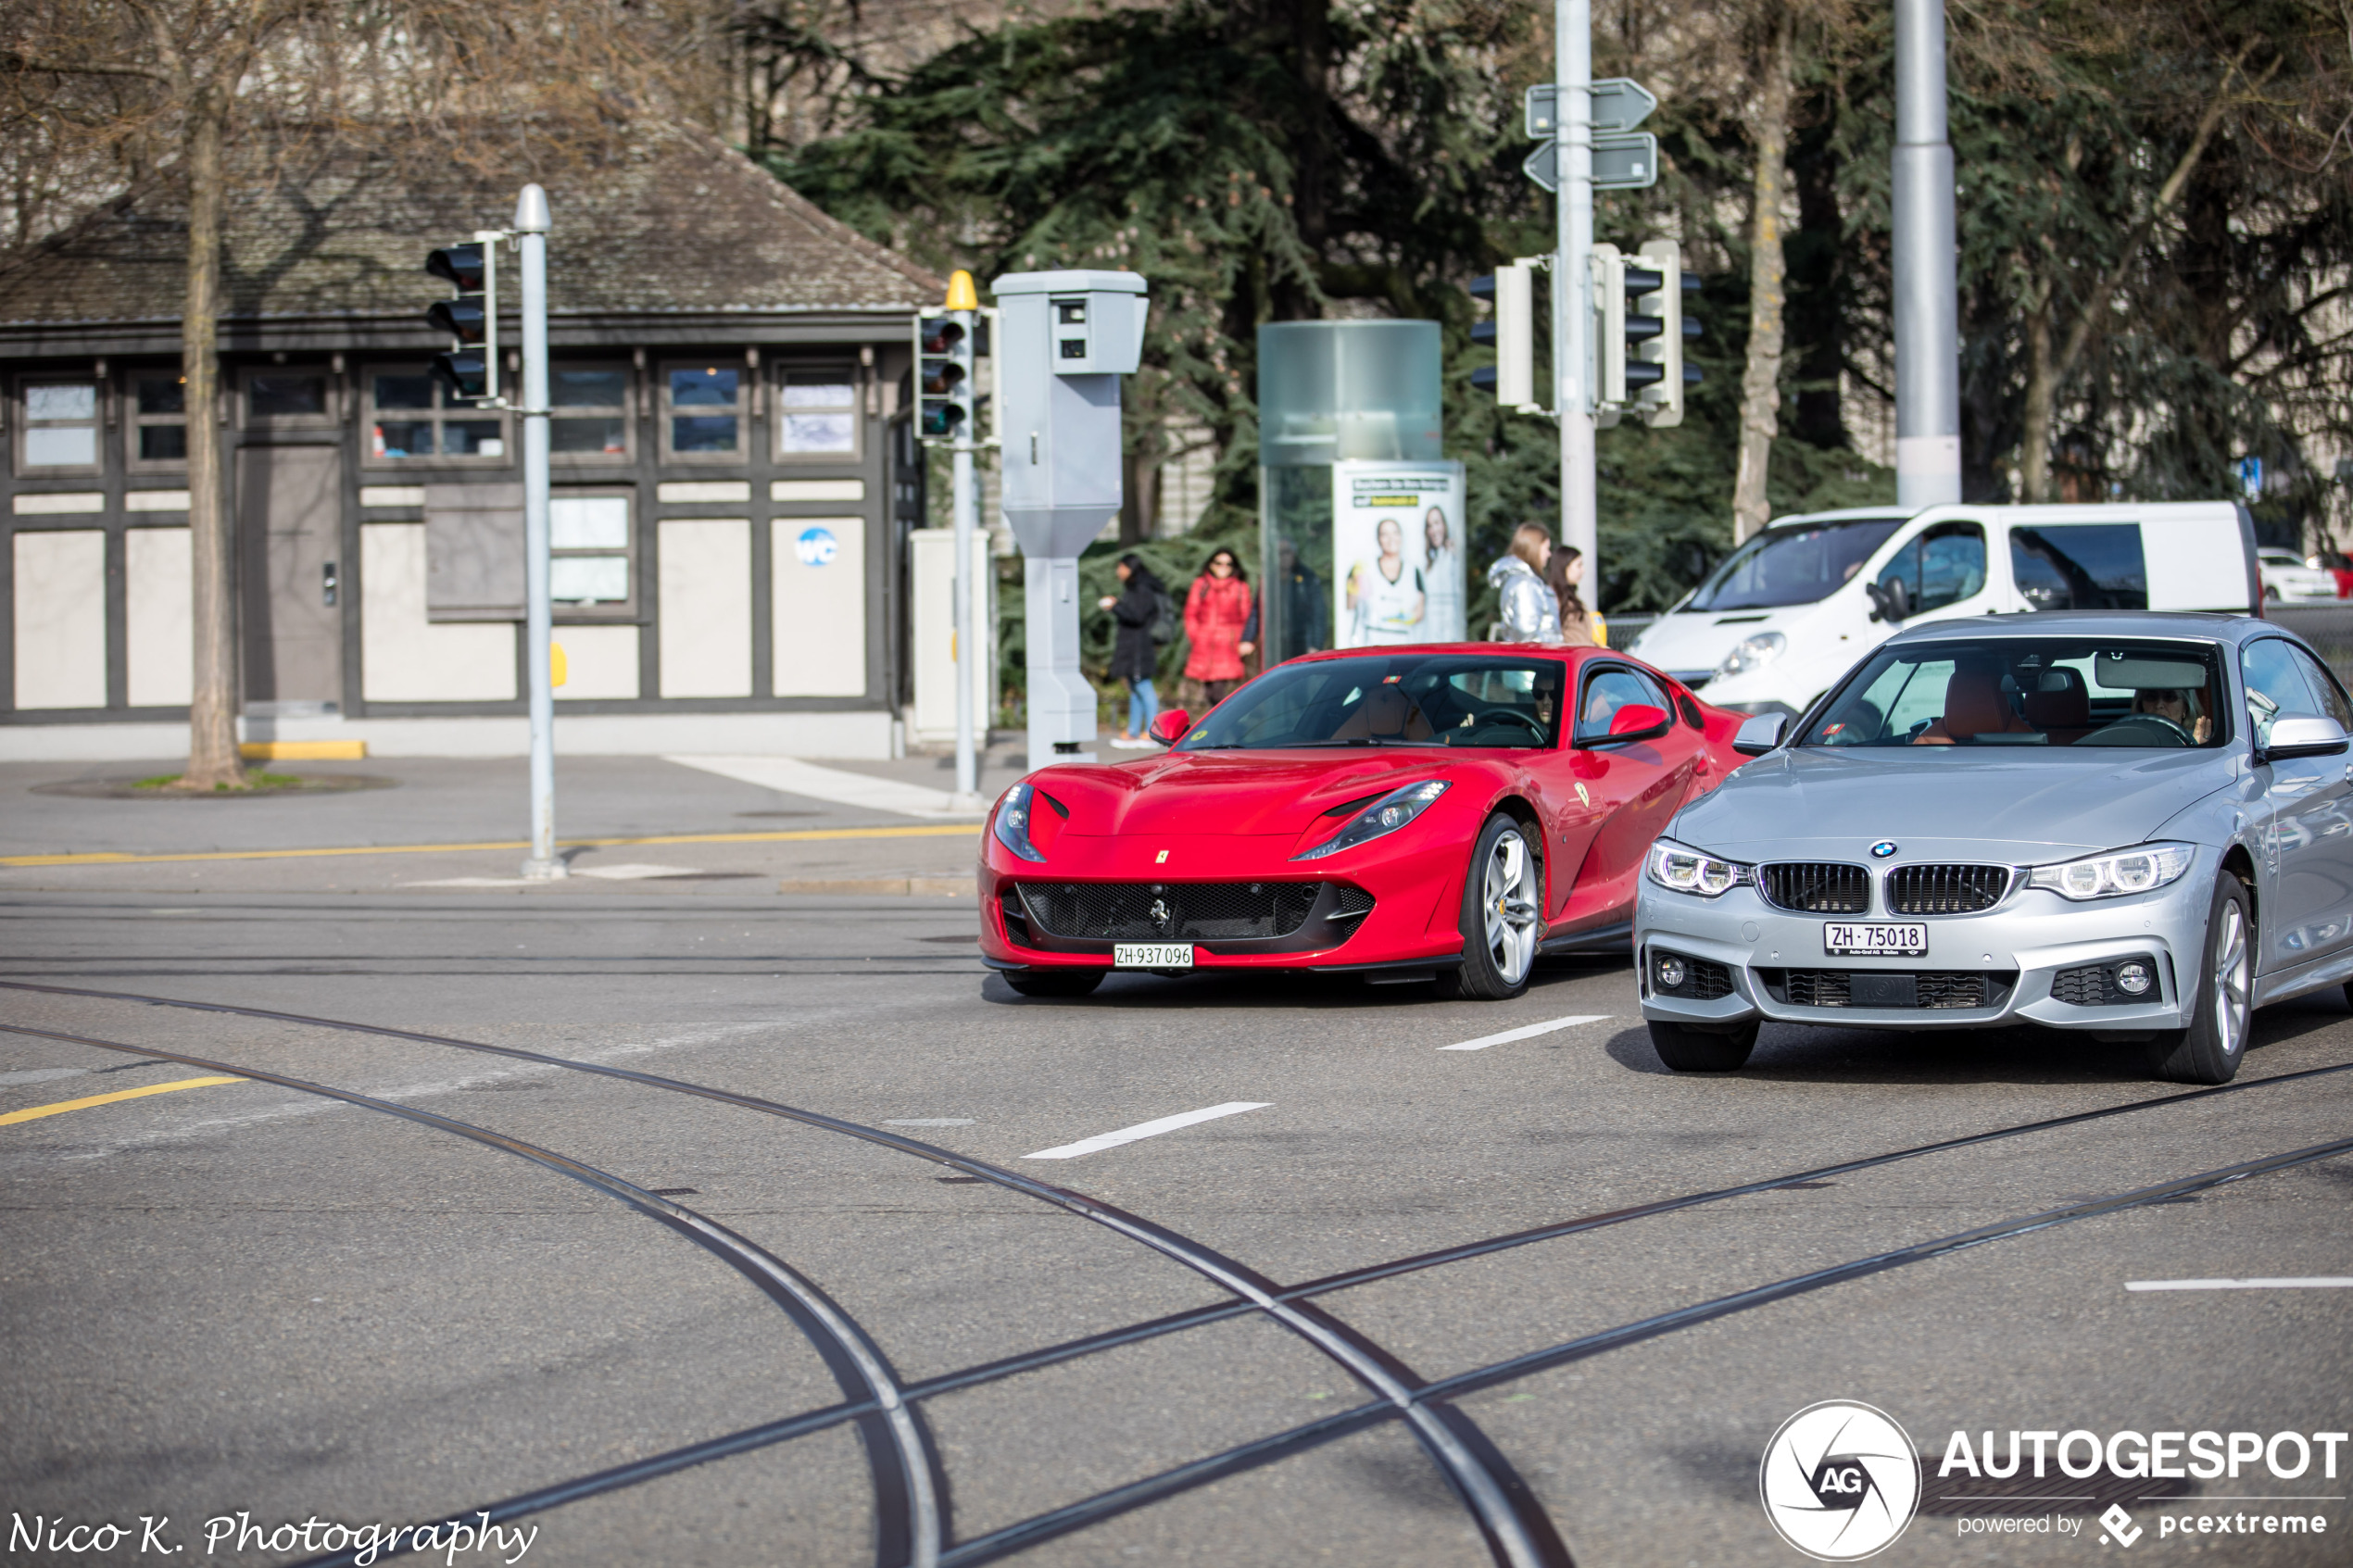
<point>250,1298</point>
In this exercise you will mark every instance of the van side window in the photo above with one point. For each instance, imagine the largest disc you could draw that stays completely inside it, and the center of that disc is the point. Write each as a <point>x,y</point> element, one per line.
<point>1944,565</point>
<point>2080,566</point>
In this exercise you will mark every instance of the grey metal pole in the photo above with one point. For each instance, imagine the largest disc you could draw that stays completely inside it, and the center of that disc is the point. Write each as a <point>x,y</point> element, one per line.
<point>968,520</point>
<point>1572,281</point>
<point>1928,353</point>
<point>532,223</point>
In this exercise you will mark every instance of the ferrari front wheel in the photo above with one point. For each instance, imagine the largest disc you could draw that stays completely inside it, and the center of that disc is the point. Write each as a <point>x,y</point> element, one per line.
<point>1502,914</point>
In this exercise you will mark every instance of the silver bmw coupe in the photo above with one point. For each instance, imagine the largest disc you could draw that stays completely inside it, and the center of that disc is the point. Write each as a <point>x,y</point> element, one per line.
<point>2135,825</point>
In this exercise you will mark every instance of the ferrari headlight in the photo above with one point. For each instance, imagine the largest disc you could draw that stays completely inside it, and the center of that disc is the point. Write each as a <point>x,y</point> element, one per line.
<point>1386,815</point>
<point>1753,653</point>
<point>1011,824</point>
<point>1686,870</point>
<point>2113,875</point>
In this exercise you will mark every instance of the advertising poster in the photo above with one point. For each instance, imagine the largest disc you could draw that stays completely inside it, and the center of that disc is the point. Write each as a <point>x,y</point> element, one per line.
<point>1397,553</point>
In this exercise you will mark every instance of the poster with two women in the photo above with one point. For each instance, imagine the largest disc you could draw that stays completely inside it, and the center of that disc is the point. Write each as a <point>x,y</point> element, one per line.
<point>1397,545</point>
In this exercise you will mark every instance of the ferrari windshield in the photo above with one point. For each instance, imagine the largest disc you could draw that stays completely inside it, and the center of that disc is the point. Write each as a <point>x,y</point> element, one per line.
<point>2031,692</point>
<point>1390,700</point>
<point>1792,566</point>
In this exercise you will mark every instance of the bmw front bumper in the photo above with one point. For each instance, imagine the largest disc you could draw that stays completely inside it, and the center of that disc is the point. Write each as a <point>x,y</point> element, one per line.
<point>2033,957</point>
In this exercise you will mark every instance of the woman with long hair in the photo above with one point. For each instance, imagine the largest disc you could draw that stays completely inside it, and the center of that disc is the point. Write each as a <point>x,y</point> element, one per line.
<point>1530,610</point>
<point>1563,572</point>
<point>1135,659</point>
<point>1218,611</point>
<point>1442,580</point>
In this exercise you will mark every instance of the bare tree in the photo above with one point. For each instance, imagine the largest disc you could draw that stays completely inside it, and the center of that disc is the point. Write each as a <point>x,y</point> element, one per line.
<point>1761,378</point>
<point>111,92</point>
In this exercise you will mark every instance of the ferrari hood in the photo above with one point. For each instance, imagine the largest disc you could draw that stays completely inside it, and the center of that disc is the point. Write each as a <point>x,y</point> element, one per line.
<point>1814,801</point>
<point>1260,792</point>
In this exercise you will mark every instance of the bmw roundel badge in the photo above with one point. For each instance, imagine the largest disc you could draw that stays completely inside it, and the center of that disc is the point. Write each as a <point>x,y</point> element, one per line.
<point>1883,849</point>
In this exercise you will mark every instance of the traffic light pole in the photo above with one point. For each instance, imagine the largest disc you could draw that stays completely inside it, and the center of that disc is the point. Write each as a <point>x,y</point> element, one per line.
<point>968,520</point>
<point>1572,282</point>
<point>532,223</point>
<point>1928,364</point>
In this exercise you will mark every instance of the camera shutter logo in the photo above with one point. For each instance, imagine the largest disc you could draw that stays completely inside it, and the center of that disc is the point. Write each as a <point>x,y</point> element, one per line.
<point>1840,1481</point>
<point>817,547</point>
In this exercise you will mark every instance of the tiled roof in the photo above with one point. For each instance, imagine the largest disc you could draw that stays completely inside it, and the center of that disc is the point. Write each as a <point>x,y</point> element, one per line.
<point>678,223</point>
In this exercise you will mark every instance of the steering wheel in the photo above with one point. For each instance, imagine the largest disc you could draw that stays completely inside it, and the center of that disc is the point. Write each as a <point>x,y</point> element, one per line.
<point>1514,716</point>
<point>2128,731</point>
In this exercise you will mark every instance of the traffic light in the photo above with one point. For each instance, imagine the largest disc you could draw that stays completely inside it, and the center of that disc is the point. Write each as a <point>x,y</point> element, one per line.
<point>943,377</point>
<point>470,370</point>
<point>1512,329</point>
<point>1640,350</point>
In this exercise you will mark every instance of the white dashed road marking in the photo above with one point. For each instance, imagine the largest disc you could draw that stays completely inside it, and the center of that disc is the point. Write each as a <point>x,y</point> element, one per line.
<point>1147,1130</point>
<point>2321,1282</point>
<point>1526,1031</point>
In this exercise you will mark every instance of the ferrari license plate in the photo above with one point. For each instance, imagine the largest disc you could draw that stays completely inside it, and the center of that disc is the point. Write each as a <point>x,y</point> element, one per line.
<point>1151,955</point>
<point>1875,938</point>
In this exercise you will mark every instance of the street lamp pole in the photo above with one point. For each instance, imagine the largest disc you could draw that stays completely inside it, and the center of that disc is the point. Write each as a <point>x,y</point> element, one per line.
<point>1928,365</point>
<point>532,223</point>
<point>1572,280</point>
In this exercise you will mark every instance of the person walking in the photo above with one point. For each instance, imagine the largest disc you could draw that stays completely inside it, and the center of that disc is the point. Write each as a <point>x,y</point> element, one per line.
<point>1563,570</point>
<point>1217,608</point>
<point>1530,609</point>
<point>1135,656</point>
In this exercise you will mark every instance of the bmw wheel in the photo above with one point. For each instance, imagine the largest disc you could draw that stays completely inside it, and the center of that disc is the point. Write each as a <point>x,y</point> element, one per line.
<point>2211,1049</point>
<point>1502,914</point>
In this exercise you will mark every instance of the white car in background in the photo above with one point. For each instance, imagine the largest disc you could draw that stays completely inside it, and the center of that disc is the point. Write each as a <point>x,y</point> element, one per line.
<point>2288,580</point>
<point>1782,617</point>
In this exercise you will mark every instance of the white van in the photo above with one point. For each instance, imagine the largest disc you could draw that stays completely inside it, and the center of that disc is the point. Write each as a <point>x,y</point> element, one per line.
<point>1791,610</point>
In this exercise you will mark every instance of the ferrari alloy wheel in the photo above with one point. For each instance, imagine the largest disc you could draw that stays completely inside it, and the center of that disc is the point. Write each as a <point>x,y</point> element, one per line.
<point>1502,914</point>
<point>1054,981</point>
<point>2211,1049</point>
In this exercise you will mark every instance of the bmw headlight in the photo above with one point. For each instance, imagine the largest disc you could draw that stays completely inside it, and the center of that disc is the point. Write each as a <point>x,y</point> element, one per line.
<point>2113,875</point>
<point>1686,870</point>
<point>1386,815</point>
<point>1011,824</point>
<point>1753,653</point>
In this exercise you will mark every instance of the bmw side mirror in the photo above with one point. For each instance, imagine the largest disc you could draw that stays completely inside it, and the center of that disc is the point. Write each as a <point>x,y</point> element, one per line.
<point>1168,726</point>
<point>1762,734</point>
<point>2303,734</point>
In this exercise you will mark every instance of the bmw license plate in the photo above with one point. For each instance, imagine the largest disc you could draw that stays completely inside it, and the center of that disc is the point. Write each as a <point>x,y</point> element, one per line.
<point>1875,938</point>
<point>1151,955</point>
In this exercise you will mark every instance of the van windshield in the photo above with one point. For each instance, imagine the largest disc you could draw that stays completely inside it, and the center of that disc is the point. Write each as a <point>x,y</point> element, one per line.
<point>1796,565</point>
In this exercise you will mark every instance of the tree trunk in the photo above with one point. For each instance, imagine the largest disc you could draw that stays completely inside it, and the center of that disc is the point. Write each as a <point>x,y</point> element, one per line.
<point>1761,380</point>
<point>2034,441</point>
<point>212,715</point>
<point>1818,305</point>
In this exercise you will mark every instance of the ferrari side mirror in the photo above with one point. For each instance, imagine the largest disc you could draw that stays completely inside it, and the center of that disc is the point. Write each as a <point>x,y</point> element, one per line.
<point>1635,721</point>
<point>1168,726</point>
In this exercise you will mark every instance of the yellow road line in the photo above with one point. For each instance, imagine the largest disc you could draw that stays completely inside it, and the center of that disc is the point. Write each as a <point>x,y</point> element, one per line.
<point>105,858</point>
<point>40,1111</point>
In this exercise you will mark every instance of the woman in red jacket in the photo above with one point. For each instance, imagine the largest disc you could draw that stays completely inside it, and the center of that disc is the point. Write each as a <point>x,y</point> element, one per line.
<point>1215,612</point>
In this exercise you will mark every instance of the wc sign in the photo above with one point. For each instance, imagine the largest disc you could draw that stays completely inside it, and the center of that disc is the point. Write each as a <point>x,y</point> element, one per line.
<point>817,547</point>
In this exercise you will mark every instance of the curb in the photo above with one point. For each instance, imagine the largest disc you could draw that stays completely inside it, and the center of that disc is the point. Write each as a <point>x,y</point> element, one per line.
<point>917,886</point>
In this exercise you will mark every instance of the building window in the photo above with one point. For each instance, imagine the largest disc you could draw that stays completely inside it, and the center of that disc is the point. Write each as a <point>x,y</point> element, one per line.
<point>60,424</point>
<point>289,395</point>
<point>589,570</point>
<point>411,418</point>
<point>158,419</point>
<point>817,413</point>
<point>703,412</point>
<point>591,404</point>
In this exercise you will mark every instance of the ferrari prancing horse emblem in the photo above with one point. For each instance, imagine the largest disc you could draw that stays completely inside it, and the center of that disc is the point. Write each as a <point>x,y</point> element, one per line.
<point>1583,798</point>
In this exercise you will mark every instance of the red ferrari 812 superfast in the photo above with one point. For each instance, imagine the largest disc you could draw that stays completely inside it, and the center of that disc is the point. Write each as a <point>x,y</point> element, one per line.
<point>1443,812</point>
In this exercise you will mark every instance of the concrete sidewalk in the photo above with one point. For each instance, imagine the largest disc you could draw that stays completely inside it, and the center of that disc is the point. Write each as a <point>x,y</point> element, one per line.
<point>446,825</point>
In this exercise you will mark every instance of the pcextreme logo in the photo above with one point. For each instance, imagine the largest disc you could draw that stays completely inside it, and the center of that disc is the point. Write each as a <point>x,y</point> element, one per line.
<point>1840,1481</point>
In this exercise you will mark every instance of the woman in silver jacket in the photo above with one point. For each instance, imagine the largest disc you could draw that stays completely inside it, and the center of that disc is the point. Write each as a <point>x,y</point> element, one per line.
<point>1531,612</point>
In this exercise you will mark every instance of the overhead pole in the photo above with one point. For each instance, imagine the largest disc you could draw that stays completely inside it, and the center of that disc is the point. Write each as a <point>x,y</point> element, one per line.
<point>964,309</point>
<point>1928,361</point>
<point>1572,280</point>
<point>532,223</point>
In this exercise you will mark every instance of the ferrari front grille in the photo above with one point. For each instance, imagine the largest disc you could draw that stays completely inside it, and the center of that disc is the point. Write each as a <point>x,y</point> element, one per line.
<point>1945,890</point>
<point>1816,887</point>
<point>1198,911</point>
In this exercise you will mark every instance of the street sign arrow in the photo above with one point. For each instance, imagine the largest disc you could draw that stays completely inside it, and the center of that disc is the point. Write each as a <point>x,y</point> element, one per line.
<point>1618,105</point>
<point>1542,167</point>
<point>1625,163</point>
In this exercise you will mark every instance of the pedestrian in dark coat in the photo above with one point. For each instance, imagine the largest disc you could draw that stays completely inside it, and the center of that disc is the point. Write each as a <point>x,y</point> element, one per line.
<point>1135,658</point>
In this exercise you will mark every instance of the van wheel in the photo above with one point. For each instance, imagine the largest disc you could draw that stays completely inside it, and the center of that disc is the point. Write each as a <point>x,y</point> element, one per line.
<point>1693,1051</point>
<point>1502,915</point>
<point>2211,1049</point>
<point>1053,982</point>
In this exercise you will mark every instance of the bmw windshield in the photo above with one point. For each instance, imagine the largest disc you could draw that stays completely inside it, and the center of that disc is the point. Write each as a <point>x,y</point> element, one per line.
<point>1792,566</point>
<point>1395,699</point>
<point>2033,693</point>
